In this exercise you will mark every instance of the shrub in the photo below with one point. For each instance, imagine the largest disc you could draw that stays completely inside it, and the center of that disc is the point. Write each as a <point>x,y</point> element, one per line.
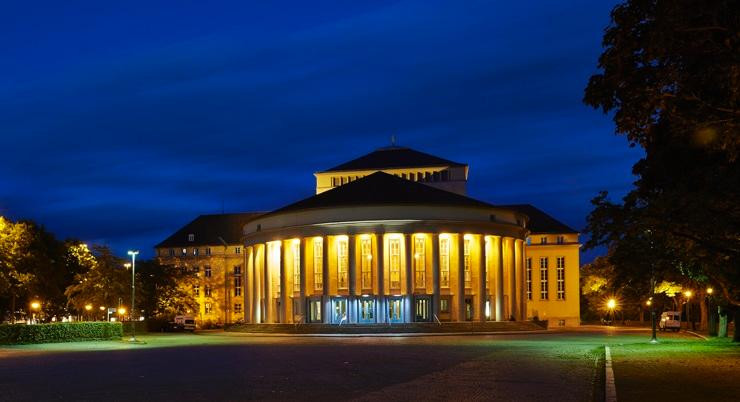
<point>59,332</point>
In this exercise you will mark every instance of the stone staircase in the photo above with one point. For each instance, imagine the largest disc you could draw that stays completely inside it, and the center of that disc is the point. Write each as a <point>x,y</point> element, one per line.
<point>406,328</point>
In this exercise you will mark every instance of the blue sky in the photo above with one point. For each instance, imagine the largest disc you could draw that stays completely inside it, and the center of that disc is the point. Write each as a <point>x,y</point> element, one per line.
<point>119,123</point>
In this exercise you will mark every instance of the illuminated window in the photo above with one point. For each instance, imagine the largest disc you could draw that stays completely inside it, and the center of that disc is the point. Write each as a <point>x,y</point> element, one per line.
<point>196,290</point>
<point>543,240</point>
<point>561,239</point>
<point>184,251</point>
<point>237,250</point>
<point>208,291</point>
<point>191,237</point>
<point>342,264</point>
<point>543,278</point>
<point>366,265</point>
<point>195,251</point>
<point>394,246</point>
<point>207,271</point>
<point>529,278</point>
<point>237,286</point>
<point>208,251</point>
<point>207,308</point>
<point>318,263</point>
<point>561,277</point>
<point>296,250</point>
<point>444,262</point>
<point>444,305</point>
<point>172,252</point>
<point>467,263</point>
<point>237,308</point>
<point>420,274</point>
<point>237,269</point>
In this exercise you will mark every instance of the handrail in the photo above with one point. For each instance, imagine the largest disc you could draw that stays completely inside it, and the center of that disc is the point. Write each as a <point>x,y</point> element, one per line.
<point>437,319</point>
<point>301,319</point>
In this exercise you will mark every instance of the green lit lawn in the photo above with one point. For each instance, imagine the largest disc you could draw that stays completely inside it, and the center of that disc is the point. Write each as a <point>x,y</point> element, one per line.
<point>677,370</point>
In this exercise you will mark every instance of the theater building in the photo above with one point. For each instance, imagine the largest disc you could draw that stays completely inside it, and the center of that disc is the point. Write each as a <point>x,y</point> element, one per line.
<point>392,237</point>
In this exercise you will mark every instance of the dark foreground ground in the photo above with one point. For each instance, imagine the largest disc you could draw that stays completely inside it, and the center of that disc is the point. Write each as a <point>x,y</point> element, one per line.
<point>563,366</point>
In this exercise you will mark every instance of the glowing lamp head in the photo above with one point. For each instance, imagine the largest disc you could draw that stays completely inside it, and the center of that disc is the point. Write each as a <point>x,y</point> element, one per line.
<point>121,311</point>
<point>35,305</point>
<point>88,307</point>
<point>611,304</point>
<point>710,291</point>
<point>687,293</point>
<point>102,308</point>
<point>649,302</point>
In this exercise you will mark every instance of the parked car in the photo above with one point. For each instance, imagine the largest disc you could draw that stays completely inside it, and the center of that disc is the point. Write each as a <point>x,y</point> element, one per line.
<point>183,323</point>
<point>670,320</point>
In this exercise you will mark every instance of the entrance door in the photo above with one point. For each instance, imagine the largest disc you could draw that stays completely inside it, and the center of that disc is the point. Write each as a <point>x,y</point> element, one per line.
<point>395,309</point>
<point>468,309</point>
<point>314,310</point>
<point>278,310</point>
<point>422,309</point>
<point>367,310</point>
<point>339,310</point>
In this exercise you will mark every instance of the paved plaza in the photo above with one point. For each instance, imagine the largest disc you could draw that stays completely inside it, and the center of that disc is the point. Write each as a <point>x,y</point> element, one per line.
<point>564,366</point>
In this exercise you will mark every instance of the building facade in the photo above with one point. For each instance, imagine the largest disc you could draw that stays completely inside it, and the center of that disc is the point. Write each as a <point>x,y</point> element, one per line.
<point>391,237</point>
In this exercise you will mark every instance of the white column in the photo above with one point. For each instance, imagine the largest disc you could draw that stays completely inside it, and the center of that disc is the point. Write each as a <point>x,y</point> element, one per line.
<point>284,291</point>
<point>267,281</point>
<point>522,281</point>
<point>500,279</point>
<point>248,283</point>
<point>380,264</point>
<point>512,278</point>
<point>460,277</point>
<point>435,275</point>
<point>302,301</point>
<point>482,297</point>
<point>409,278</point>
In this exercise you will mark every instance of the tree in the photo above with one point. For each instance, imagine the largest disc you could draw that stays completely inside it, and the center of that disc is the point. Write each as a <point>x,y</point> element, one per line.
<point>14,277</point>
<point>166,290</point>
<point>103,282</point>
<point>670,75</point>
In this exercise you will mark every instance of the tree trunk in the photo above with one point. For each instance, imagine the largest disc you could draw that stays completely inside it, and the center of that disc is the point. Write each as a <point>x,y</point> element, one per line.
<point>722,332</point>
<point>736,337</point>
<point>641,313</point>
<point>704,306</point>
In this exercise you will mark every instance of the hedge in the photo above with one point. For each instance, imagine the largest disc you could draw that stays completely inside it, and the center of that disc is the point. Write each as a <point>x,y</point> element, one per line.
<point>59,332</point>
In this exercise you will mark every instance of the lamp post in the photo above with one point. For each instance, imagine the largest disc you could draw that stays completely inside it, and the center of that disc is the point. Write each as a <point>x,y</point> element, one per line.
<point>688,307</point>
<point>611,304</point>
<point>35,306</point>
<point>88,307</point>
<point>133,254</point>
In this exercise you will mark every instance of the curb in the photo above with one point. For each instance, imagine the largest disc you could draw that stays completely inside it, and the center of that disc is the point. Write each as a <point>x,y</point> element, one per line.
<point>700,336</point>
<point>610,386</point>
<point>386,335</point>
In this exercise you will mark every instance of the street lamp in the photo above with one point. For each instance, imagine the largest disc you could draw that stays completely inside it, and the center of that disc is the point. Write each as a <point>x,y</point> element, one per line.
<point>688,294</point>
<point>88,307</point>
<point>611,304</point>
<point>133,254</point>
<point>35,306</point>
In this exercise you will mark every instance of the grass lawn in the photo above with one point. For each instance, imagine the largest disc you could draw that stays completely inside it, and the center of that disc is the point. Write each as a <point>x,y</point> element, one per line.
<point>677,369</point>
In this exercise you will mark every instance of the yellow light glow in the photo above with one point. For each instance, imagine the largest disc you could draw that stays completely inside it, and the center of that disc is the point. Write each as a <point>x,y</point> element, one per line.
<point>369,257</point>
<point>296,241</point>
<point>710,291</point>
<point>444,235</point>
<point>127,265</point>
<point>342,237</point>
<point>467,236</point>
<point>422,235</point>
<point>648,302</point>
<point>417,255</point>
<point>611,304</point>
<point>687,293</point>
<point>121,311</point>
<point>102,308</point>
<point>393,236</point>
<point>35,305</point>
<point>88,307</point>
<point>318,238</point>
<point>364,236</point>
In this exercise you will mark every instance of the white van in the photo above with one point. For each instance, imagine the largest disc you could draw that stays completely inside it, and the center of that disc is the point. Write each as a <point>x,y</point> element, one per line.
<point>670,320</point>
<point>185,322</point>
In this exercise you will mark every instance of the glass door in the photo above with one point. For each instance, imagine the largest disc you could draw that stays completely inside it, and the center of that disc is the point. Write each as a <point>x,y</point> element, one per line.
<point>422,309</point>
<point>314,310</point>
<point>468,309</point>
<point>339,310</point>
<point>367,310</point>
<point>395,310</point>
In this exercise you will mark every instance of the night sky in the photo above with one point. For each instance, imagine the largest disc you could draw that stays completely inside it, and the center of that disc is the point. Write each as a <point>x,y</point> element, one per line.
<point>119,123</point>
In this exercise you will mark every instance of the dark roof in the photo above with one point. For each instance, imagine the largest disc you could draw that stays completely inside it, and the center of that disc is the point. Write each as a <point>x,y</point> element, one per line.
<point>393,157</point>
<point>208,228</point>
<point>382,188</point>
<point>539,221</point>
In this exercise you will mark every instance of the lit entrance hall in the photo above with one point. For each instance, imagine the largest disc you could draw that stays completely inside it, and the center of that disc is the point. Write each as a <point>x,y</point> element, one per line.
<point>445,258</point>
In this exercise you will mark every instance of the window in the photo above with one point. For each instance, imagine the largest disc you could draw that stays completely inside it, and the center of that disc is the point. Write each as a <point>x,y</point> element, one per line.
<point>196,269</point>
<point>394,257</point>
<point>412,176</point>
<point>208,251</point>
<point>184,251</point>
<point>342,264</point>
<point>444,262</point>
<point>237,286</point>
<point>529,241</point>
<point>333,181</point>
<point>237,250</point>
<point>403,175</point>
<point>561,277</point>
<point>238,308</point>
<point>172,252</point>
<point>195,251</point>
<point>237,269</point>
<point>543,240</point>
<point>208,309</point>
<point>208,291</point>
<point>529,278</point>
<point>318,263</point>
<point>296,251</point>
<point>366,265</point>
<point>467,263</point>
<point>196,290</point>
<point>191,237</point>
<point>420,273</point>
<point>561,239</point>
<point>543,278</point>
<point>444,305</point>
<point>207,271</point>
